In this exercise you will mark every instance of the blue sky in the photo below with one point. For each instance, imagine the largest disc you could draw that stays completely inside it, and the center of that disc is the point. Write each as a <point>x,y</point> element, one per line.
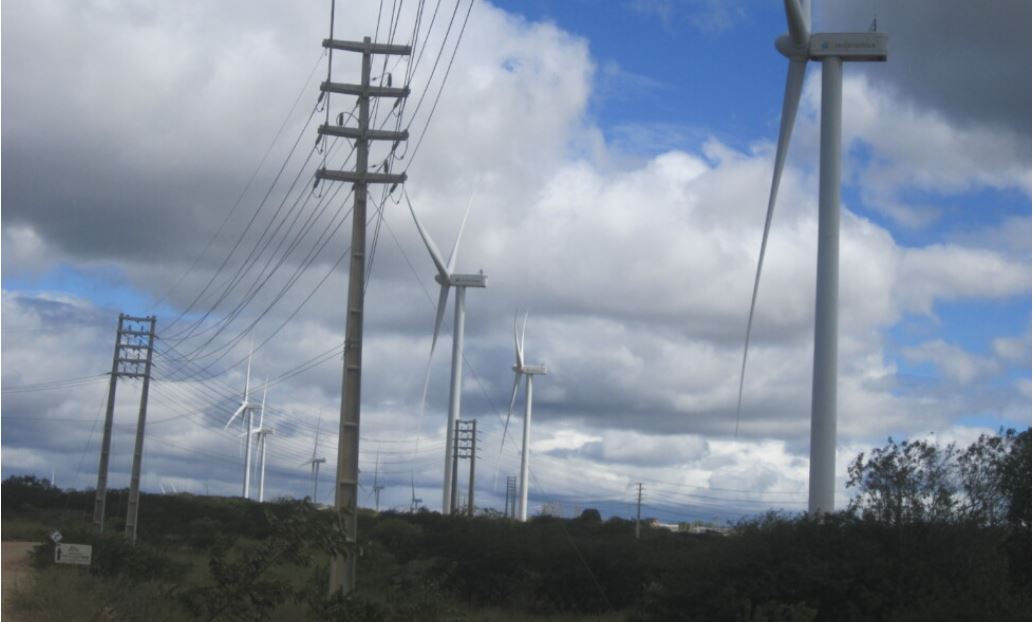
<point>619,156</point>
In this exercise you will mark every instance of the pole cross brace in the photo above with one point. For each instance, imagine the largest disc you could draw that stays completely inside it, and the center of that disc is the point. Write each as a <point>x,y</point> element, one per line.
<point>367,47</point>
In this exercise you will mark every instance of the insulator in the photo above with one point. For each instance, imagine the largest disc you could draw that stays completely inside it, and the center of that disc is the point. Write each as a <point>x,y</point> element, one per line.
<point>389,80</point>
<point>340,118</point>
<point>315,184</point>
<point>320,98</point>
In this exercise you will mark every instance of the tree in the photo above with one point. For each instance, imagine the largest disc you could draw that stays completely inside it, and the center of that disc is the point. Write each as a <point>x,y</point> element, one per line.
<point>906,482</point>
<point>1016,479</point>
<point>981,470</point>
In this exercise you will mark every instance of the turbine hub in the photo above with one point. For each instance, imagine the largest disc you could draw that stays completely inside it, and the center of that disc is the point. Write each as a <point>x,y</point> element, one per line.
<point>788,48</point>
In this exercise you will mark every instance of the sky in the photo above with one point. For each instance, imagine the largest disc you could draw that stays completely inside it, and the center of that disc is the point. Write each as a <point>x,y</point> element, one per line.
<point>158,158</point>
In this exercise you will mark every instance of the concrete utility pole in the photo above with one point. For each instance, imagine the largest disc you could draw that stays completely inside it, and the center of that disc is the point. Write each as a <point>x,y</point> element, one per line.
<point>133,506</point>
<point>100,496</point>
<point>473,467</point>
<point>125,363</point>
<point>464,447</point>
<point>454,468</point>
<point>511,496</point>
<point>638,512</point>
<point>342,568</point>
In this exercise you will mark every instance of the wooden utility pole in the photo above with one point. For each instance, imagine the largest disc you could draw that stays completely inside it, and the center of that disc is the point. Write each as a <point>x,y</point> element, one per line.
<point>342,568</point>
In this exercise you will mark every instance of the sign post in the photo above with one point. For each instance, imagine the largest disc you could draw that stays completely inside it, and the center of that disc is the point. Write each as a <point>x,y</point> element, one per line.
<point>79,554</point>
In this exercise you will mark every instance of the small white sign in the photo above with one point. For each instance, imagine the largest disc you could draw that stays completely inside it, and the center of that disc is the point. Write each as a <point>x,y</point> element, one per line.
<point>55,537</point>
<point>73,554</point>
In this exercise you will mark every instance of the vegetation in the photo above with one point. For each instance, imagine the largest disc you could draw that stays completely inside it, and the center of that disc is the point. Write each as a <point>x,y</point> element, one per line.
<point>932,533</point>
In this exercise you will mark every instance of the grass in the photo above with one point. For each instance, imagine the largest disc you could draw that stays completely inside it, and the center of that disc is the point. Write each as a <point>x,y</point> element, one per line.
<point>63,593</point>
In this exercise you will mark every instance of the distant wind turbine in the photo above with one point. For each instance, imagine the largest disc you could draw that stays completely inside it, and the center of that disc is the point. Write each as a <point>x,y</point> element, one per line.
<point>529,372</point>
<point>315,462</point>
<point>447,277</point>
<point>414,503</point>
<point>245,411</point>
<point>261,433</point>
<point>377,486</point>
<point>831,49</point>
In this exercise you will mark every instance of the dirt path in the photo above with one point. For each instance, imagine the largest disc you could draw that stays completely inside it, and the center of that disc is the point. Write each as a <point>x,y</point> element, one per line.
<point>16,570</point>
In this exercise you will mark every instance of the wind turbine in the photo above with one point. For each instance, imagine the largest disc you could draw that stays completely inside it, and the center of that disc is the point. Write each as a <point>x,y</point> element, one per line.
<point>261,432</point>
<point>832,50</point>
<point>377,486</point>
<point>414,503</point>
<point>315,462</point>
<point>529,372</point>
<point>245,411</point>
<point>447,277</point>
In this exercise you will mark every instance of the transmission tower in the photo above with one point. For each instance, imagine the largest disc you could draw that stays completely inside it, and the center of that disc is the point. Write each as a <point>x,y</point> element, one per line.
<point>346,502</point>
<point>134,345</point>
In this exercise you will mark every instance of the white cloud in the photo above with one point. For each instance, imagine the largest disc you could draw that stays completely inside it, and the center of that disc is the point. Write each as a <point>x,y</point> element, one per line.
<point>637,271</point>
<point>958,364</point>
<point>907,148</point>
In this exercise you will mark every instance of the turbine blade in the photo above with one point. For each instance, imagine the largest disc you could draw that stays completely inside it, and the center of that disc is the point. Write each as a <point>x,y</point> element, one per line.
<point>523,330</point>
<point>315,446</point>
<point>459,236</point>
<point>516,343</point>
<point>509,413</point>
<point>435,254</point>
<point>261,416</point>
<point>236,414</point>
<point>442,303</point>
<point>794,86</point>
<point>247,378</point>
<point>799,30</point>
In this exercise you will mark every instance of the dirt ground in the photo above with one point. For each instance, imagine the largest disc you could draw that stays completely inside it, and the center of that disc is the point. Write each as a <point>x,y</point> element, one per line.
<point>16,570</point>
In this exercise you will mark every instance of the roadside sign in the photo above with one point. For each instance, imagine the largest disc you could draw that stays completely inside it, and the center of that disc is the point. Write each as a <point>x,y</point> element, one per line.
<point>80,554</point>
<point>55,537</point>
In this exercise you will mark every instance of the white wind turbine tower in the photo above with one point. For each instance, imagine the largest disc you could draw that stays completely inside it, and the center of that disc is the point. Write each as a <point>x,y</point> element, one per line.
<point>447,277</point>
<point>246,412</point>
<point>315,462</point>
<point>831,49</point>
<point>261,433</point>
<point>529,372</point>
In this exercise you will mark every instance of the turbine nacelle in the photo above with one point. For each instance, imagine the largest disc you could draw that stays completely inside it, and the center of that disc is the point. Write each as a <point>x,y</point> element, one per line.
<point>849,46</point>
<point>531,370</point>
<point>463,280</point>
